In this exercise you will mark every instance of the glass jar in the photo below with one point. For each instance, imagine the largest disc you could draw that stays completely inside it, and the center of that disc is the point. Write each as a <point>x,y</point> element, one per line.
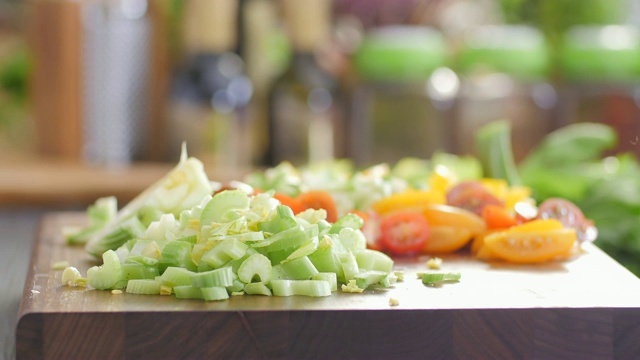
<point>400,105</point>
<point>504,72</point>
<point>601,69</point>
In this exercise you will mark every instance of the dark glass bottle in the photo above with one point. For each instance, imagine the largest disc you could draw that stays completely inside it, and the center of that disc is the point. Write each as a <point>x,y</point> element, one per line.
<point>305,116</point>
<point>210,93</point>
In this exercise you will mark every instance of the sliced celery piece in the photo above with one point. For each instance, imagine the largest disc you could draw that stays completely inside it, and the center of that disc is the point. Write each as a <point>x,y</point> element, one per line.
<point>176,276</point>
<point>277,273</point>
<point>144,287</point>
<point>214,293</point>
<point>374,260</point>
<point>305,249</point>
<point>389,280</point>
<point>367,278</point>
<point>225,251</point>
<point>237,286</point>
<point>349,266</point>
<point>188,292</point>
<point>257,288</point>
<point>219,278</point>
<point>438,278</point>
<point>178,254</point>
<point>314,288</point>
<point>108,275</point>
<point>299,269</point>
<point>132,271</point>
<point>348,221</point>
<point>352,240</point>
<point>193,239</point>
<point>128,229</point>
<point>283,220</point>
<point>224,207</point>
<point>142,260</point>
<point>286,239</point>
<point>256,267</point>
<point>326,260</point>
<point>148,214</point>
<point>329,277</point>
<point>99,214</point>
<point>235,263</point>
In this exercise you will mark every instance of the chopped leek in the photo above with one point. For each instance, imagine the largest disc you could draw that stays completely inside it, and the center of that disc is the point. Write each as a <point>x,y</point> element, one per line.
<point>439,278</point>
<point>301,287</point>
<point>177,238</point>
<point>180,189</point>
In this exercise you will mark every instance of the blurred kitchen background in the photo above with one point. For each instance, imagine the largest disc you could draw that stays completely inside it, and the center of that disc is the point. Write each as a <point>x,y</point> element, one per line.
<point>97,96</point>
<point>252,82</point>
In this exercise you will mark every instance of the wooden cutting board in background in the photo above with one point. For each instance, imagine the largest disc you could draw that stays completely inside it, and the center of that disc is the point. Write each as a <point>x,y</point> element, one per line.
<point>584,308</point>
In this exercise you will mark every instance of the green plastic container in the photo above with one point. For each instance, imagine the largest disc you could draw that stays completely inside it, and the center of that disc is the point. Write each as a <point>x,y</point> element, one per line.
<point>504,71</point>
<point>608,54</point>
<point>517,50</point>
<point>401,54</point>
<point>399,108</point>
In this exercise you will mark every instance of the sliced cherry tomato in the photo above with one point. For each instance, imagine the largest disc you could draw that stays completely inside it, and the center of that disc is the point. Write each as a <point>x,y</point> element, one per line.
<point>471,195</point>
<point>318,199</point>
<point>446,215</point>
<point>404,232</point>
<point>530,246</point>
<point>498,217</point>
<point>446,239</point>
<point>289,201</point>
<point>408,200</point>
<point>371,229</point>
<point>570,215</point>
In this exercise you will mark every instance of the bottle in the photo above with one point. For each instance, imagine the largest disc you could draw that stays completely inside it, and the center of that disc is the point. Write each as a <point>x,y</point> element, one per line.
<point>210,93</point>
<point>601,71</point>
<point>305,113</point>
<point>402,103</point>
<point>504,73</point>
<point>115,62</point>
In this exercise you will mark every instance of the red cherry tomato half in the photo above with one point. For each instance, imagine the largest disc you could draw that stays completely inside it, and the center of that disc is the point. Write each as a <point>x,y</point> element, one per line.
<point>570,215</point>
<point>562,210</point>
<point>472,196</point>
<point>404,232</point>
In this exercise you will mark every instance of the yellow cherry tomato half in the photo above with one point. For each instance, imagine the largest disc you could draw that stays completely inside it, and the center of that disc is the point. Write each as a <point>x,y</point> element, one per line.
<point>446,239</point>
<point>537,225</point>
<point>529,246</point>
<point>446,215</point>
<point>408,200</point>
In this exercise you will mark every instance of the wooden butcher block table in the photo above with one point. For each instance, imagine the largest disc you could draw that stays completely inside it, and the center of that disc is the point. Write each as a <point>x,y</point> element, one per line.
<point>584,308</point>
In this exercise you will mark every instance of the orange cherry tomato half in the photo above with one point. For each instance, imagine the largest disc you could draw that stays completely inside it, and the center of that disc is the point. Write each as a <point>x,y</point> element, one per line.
<point>295,205</point>
<point>404,232</point>
<point>498,217</point>
<point>318,199</point>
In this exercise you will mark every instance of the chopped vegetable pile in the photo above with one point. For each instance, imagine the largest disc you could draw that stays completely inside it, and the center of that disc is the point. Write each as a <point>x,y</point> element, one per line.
<point>321,228</point>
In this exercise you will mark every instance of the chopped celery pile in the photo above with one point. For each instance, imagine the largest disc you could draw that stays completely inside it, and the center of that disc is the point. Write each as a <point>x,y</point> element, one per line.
<point>234,243</point>
<point>181,189</point>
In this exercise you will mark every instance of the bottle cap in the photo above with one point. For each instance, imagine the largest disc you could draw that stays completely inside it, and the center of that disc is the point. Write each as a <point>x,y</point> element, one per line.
<point>308,22</point>
<point>601,53</point>
<point>400,53</point>
<point>210,25</point>
<point>517,50</point>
